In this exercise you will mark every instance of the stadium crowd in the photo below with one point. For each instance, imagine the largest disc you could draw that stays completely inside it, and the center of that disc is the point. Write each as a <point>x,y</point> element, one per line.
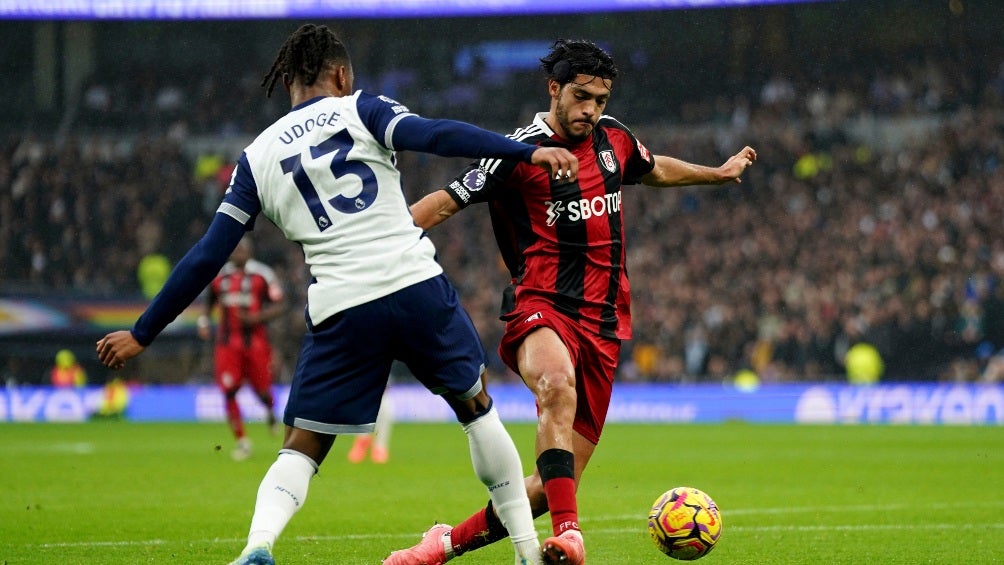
<point>873,214</point>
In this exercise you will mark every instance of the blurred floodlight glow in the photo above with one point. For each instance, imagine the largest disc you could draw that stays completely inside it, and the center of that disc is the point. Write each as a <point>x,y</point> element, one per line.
<point>238,9</point>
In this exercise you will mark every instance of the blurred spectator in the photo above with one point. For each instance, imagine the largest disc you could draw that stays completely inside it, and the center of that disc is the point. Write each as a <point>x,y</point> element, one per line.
<point>152,273</point>
<point>67,372</point>
<point>864,364</point>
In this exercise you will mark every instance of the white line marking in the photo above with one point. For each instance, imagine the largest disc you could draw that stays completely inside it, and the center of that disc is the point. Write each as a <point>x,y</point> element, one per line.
<point>80,447</point>
<point>635,529</point>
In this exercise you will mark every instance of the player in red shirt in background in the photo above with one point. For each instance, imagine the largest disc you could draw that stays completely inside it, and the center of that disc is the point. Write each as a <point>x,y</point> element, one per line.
<point>249,296</point>
<point>568,306</point>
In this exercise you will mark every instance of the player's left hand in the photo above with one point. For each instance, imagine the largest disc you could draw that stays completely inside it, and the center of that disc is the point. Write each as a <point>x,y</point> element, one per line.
<point>118,347</point>
<point>738,163</point>
<point>558,162</point>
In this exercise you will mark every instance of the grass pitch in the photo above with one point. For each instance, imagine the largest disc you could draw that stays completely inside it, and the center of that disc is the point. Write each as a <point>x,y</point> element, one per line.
<point>121,493</point>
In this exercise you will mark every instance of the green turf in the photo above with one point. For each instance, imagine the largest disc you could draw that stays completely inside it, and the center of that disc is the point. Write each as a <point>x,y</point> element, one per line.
<point>122,493</point>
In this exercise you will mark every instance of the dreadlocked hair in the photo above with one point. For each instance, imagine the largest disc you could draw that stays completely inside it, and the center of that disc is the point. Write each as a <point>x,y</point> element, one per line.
<point>570,57</point>
<point>306,53</point>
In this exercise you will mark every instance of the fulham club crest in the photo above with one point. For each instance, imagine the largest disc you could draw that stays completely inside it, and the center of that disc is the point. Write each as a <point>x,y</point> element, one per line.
<point>607,158</point>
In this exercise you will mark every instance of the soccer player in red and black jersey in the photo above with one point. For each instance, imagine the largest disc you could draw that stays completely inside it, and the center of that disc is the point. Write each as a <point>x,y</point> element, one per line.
<point>568,306</point>
<point>249,295</point>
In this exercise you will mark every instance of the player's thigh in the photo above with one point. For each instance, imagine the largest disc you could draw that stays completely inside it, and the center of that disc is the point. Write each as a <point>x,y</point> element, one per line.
<point>540,342</point>
<point>542,354</point>
<point>341,373</point>
<point>597,365</point>
<point>228,368</point>
<point>259,367</point>
<point>440,345</point>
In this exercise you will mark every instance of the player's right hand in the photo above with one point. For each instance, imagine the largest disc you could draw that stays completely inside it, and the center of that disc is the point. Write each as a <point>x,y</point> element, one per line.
<point>558,161</point>
<point>118,347</point>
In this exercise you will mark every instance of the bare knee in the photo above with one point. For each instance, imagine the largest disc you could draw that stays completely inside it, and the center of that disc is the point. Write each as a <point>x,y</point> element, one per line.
<point>312,444</point>
<point>470,409</point>
<point>555,391</point>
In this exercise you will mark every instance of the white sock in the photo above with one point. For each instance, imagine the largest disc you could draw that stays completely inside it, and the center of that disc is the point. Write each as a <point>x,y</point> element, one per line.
<point>497,464</point>
<point>282,492</point>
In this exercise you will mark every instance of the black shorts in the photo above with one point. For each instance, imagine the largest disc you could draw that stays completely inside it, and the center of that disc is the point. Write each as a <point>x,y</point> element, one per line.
<point>345,360</point>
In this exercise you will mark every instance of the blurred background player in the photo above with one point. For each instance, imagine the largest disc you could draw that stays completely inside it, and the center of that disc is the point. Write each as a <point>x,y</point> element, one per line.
<point>249,296</point>
<point>568,306</point>
<point>325,174</point>
<point>376,444</point>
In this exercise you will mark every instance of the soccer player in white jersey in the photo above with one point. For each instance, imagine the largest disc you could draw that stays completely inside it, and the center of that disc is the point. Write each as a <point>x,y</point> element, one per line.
<point>324,174</point>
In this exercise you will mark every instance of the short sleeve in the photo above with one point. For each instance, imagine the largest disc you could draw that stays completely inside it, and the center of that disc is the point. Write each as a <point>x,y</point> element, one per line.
<point>481,181</point>
<point>639,161</point>
<point>380,114</point>
<point>240,201</point>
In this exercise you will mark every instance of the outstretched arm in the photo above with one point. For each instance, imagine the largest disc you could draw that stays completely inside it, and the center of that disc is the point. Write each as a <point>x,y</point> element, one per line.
<point>451,138</point>
<point>433,208</point>
<point>195,270</point>
<point>670,171</point>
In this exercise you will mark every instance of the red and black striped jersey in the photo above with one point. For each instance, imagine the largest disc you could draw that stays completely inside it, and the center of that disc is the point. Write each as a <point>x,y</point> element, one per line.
<point>564,242</point>
<point>246,291</point>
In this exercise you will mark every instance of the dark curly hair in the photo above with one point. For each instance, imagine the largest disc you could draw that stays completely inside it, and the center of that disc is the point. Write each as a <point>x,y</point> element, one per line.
<point>304,55</point>
<point>570,57</point>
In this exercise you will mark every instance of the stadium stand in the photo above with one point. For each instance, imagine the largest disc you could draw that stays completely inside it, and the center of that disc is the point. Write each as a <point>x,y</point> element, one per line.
<point>873,213</point>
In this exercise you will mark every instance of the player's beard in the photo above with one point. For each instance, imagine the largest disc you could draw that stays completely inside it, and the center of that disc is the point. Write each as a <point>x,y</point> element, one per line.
<point>575,131</point>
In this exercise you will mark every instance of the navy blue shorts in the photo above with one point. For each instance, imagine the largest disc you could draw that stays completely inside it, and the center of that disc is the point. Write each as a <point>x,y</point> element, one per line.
<point>345,360</point>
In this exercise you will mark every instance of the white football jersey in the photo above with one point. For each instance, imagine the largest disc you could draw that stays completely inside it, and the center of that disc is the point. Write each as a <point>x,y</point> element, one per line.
<point>325,175</point>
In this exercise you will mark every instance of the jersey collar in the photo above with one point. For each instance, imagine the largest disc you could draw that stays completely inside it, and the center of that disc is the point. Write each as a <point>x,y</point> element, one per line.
<point>540,121</point>
<point>308,103</point>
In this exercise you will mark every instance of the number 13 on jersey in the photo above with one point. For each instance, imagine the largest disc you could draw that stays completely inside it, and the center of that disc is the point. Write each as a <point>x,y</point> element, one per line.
<point>339,144</point>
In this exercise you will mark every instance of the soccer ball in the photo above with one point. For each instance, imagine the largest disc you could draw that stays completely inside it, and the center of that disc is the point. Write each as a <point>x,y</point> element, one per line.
<point>685,523</point>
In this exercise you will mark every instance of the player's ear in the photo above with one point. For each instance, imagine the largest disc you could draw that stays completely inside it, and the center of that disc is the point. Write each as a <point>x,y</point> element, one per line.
<point>343,79</point>
<point>554,88</point>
